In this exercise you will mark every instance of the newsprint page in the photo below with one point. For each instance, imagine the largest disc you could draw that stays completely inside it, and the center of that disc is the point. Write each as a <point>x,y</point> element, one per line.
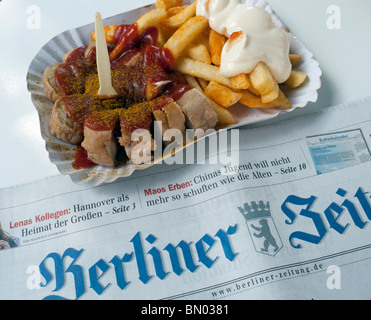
<point>289,217</point>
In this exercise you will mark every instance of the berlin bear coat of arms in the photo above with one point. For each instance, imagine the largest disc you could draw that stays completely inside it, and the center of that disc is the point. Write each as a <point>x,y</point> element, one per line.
<point>261,226</point>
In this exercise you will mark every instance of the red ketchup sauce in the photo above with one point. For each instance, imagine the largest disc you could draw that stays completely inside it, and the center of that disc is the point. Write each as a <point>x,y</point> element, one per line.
<point>102,120</point>
<point>129,39</point>
<point>119,32</point>
<point>81,159</point>
<point>140,75</point>
<point>78,107</point>
<point>69,76</point>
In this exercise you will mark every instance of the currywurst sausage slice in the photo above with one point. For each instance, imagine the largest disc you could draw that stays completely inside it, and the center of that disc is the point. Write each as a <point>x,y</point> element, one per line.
<point>61,126</point>
<point>198,110</point>
<point>50,87</point>
<point>100,142</point>
<point>101,146</point>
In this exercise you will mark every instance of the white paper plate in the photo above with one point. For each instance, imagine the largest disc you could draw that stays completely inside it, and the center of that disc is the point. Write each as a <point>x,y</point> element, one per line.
<point>62,154</point>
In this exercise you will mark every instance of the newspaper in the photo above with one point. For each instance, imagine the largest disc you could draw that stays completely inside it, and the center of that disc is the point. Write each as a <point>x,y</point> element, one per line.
<point>290,220</point>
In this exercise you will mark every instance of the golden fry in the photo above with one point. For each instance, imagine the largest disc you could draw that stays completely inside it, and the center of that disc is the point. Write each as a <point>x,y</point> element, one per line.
<point>193,83</point>
<point>294,57</point>
<point>167,4</point>
<point>164,34</point>
<point>241,81</point>
<point>253,101</point>
<point>175,10</point>
<point>262,79</point>
<point>150,19</point>
<point>296,78</point>
<point>204,71</point>
<point>222,94</point>
<point>282,101</point>
<point>270,96</point>
<point>198,52</point>
<point>203,38</point>
<point>216,45</point>
<point>225,117</point>
<point>180,18</point>
<point>203,83</point>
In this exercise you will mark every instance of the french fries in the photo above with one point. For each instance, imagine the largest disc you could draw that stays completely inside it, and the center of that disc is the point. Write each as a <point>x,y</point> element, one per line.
<point>199,60</point>
<point>180,18</point>
<point>185,35</point>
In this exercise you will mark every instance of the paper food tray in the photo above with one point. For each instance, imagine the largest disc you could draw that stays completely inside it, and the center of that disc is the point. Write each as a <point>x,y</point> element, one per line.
<point>62,154</point>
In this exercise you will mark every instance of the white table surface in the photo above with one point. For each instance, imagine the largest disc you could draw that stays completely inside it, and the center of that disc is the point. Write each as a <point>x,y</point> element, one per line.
<point>344,55</point>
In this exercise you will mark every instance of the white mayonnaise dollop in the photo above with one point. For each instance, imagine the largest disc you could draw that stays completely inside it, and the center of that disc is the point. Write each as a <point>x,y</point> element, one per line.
<point>253,37</point>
